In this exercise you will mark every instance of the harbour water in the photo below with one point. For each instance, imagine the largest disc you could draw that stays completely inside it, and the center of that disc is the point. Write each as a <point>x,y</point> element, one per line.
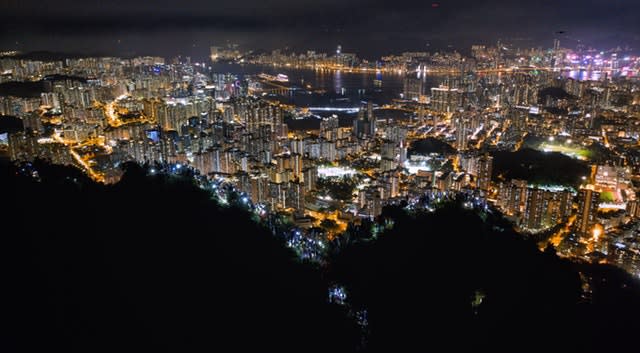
<point>322,88</point>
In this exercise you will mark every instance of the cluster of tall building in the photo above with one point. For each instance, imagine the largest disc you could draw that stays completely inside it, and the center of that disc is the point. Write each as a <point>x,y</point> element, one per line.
<point>534,208</point>
<point>96,113</point>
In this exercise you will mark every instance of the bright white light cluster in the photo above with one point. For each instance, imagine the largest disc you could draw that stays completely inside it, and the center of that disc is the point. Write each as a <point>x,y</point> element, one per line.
<point>328,172</point>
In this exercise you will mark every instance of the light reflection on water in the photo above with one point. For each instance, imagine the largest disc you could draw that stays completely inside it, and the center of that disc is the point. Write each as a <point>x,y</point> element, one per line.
<point>583,75</point>
<point>355,86</point>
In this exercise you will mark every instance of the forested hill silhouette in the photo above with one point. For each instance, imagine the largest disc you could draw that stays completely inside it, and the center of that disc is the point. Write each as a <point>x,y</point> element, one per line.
<point>153,264</point>
<point>33,89</point>
<point>430,145</point>
<point>150,264</point>
<point>538,167</point>
<point>452,282</point>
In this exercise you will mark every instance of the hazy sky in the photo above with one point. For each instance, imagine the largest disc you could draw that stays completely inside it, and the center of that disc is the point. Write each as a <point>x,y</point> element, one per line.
<point>371,28</point>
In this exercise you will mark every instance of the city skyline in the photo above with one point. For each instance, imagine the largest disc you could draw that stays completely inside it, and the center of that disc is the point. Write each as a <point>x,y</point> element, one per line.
<point>282,140</point>
<point>302,176</point>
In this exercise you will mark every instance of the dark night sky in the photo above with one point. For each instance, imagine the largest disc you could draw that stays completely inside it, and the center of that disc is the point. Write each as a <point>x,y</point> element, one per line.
<point>371,28</point>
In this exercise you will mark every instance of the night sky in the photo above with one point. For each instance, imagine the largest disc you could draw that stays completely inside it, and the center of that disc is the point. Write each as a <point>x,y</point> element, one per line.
<point>370,28</point>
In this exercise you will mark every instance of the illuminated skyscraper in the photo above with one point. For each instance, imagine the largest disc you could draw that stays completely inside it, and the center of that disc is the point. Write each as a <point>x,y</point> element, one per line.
<point>365,124</point>
<point>512,197</point>
<point>556,53</point>
<point>413,88</point>
<point>445,99</point>
<point>534,209</point>
<point>329,128</point>
<point>485,164</point>
<point>587,210</point>
<point>388,153</point>
<point>462,125</point>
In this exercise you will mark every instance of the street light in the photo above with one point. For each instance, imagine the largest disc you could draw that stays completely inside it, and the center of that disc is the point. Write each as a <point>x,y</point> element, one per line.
<point>597,232</point>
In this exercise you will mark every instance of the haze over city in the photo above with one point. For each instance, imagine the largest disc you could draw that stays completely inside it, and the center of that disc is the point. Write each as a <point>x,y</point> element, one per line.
<point>370,28</point>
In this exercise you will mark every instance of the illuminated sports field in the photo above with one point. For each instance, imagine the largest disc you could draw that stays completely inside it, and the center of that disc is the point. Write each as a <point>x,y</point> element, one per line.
<point>573,151</point>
